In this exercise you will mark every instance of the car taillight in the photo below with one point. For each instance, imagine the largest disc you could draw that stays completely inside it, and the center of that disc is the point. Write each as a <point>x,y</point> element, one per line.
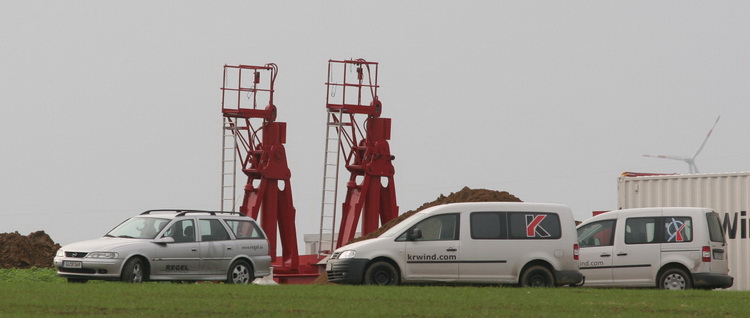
<point>575,252</point>
<point>706,253</point>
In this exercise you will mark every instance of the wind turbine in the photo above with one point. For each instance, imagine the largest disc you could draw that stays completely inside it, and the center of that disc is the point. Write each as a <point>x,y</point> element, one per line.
<point>690,160</point>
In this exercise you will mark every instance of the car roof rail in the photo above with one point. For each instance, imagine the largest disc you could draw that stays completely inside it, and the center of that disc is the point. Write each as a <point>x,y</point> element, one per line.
<point>183,212</point>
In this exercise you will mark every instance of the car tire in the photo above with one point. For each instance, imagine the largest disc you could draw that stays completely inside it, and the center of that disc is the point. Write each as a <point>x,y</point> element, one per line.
<point>674,279</point>
<point>240,273</point>
<point>134,271</point>
<point>381,273</point>
<point>537,276</point>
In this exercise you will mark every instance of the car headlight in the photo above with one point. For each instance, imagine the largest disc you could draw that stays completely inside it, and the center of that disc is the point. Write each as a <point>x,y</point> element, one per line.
<point>60,253</point>
<point>102,255</point>
<point>347,254</point>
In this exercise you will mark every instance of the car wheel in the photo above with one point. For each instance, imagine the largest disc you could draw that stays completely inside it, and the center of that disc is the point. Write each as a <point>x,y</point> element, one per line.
<point>77,280</point>
<point>134,271</point>
<point>381,273</point>
<point>674,279</point>
<point>239,273</point>
<point>537,276</point>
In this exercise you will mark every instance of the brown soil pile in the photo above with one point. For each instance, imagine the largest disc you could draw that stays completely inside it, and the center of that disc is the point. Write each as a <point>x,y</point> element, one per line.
<point>465,195</point>
<point>34,250</point>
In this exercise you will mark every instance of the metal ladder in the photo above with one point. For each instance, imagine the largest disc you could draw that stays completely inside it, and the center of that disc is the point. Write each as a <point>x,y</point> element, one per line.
<point>229,166</point>
<point>329,206</point>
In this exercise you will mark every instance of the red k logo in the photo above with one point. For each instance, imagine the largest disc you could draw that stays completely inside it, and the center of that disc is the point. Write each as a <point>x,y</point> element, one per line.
<point>533,229</point>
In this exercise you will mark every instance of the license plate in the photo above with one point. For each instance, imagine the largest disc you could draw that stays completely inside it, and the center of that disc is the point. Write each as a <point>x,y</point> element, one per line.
<point>72,264</point>
<point>718,256</point>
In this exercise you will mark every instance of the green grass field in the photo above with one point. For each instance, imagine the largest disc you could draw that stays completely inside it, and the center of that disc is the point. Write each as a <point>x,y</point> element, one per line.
<point>39,293</point>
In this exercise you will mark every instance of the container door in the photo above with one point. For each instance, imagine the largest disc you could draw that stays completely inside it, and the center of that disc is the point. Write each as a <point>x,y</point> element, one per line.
<point>596,241</point>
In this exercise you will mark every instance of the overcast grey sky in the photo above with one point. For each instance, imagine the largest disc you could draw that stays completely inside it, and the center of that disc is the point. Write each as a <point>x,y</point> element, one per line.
<point>109,108</point>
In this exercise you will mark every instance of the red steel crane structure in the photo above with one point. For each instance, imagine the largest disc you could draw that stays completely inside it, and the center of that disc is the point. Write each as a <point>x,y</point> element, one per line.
<point>357,134</point>
<point>254,137</point>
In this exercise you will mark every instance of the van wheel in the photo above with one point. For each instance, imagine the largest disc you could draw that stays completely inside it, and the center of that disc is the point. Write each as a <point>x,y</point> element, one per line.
<point>239,273</point>
<point>134,271</point>
<point>675,279</point>
<point>537,276</point>
<point>381,273</point>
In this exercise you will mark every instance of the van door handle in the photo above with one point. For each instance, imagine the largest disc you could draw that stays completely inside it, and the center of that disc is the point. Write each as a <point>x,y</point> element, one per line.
<point>622,254</point>
<point>194,250</point>
<point>451,249</point>
<point>606,255</point>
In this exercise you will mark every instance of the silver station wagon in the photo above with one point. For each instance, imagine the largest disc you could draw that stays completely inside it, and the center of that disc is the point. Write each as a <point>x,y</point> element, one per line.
<point>181,245</point>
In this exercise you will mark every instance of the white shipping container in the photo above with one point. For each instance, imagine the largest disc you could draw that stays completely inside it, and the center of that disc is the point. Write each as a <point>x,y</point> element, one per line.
<point>726,193</point>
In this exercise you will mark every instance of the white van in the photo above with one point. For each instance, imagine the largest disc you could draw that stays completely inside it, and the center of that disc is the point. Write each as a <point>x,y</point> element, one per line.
<point>668,248</point>
<point>529,244</point>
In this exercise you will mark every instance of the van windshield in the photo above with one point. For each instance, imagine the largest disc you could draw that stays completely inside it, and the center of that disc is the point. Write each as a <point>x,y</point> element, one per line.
<point>715,231</point>
<point>401,226</point>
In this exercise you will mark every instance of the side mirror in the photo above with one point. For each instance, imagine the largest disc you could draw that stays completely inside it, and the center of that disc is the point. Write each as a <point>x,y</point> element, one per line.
<point>164,240</point>
<point>415,234</point>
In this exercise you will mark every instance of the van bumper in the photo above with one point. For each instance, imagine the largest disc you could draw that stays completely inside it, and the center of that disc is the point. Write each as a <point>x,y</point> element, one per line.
<point>568,277</point>
<point>711,280</point>
<point>348,270</point>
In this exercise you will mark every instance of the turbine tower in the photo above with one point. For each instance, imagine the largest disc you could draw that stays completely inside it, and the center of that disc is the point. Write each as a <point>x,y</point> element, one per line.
<point>689,160</point>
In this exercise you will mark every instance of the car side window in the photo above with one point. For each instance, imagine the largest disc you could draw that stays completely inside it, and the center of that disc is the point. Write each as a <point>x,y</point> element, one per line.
<point>437,228</point>
<point>489,225</point>
<point>597,234</point>
<point>244,229</point>
<point>640,230</point>
<point>181,231</point>
<point>534,225</point>
<point>212,230</point>
<point>678,229</point>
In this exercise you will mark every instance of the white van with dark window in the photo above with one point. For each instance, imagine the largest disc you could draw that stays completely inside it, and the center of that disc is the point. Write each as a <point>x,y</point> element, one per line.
<point>668,248</point>
<point>529,244</point>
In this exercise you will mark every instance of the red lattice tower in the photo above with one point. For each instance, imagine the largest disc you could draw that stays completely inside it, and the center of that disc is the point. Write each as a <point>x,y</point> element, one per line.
<point>358,135</point>
<point>254,137</point>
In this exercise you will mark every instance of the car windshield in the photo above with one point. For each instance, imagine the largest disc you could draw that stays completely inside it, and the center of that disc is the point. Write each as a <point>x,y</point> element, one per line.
<point>139,227</point>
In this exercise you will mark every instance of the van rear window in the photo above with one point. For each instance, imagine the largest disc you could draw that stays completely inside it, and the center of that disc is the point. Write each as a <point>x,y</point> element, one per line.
<point>515,225</point>
<point>715,231</point>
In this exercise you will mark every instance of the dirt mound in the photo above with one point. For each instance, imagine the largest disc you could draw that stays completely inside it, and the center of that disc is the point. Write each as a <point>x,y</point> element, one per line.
<point>465,195</point>
<point>34,250</point>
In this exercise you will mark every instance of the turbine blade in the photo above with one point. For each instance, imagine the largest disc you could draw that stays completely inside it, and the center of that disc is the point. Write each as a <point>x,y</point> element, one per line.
<point>706,139</point>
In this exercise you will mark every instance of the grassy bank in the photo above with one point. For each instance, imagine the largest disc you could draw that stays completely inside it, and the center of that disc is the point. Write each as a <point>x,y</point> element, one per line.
<point>43,297</point>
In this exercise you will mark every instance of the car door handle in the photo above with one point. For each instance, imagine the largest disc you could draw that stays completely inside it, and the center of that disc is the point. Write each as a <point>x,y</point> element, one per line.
<point>606,255</point>
<point>194,250</point>
<point>229,248</point>
<point>451,249</point>
<point>622,254</point>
